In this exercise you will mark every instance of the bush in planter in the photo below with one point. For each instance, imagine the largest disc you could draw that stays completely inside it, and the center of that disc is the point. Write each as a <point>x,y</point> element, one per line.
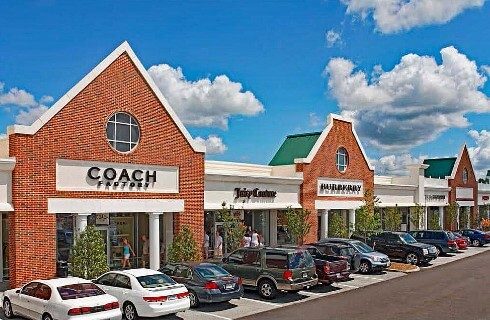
<point>298,223</point>
<point>434,223</point>
<point>337,228</point>
<point>393,219</point>
<point>89,257</point>
<point>184,247</point>
<point>233,228</point>
<point>452,215</point>
<point>417,215</point>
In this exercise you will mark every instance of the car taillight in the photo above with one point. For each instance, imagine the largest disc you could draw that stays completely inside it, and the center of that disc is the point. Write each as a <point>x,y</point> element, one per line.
<point>211,285</point>
<point>155,299</point>
<point>240,281</point>
<point>487,236</point>
<point>79,311</point>
<point>111,306</point>
<point>182,295</point>
<point>326,268</point>
<point>451,242</point>
<point>288,275</point>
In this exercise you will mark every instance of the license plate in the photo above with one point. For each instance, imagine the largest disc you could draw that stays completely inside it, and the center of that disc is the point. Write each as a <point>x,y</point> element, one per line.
<point>172,297</point>
<point>229,286</point>
<point>338,275</point>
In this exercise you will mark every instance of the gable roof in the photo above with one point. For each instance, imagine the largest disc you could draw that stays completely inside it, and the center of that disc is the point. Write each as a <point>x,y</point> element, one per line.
<point>439,167</point>
<point>295,146</point>
<point>104,64</point>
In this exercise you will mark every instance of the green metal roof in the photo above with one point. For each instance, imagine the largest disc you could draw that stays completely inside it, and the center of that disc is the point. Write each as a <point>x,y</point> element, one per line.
<point>440,167</point>
<point>295,146</point>
<point>488,173</point>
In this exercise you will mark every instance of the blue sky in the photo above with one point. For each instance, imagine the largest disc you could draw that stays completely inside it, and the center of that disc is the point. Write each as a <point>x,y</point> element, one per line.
<point>277,50</point>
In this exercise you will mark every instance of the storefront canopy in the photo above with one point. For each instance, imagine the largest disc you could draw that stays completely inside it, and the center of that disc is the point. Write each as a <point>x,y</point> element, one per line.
<point>72,205</point>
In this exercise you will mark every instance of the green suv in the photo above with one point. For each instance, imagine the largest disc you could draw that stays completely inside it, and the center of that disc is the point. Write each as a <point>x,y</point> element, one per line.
<point>272,269</point>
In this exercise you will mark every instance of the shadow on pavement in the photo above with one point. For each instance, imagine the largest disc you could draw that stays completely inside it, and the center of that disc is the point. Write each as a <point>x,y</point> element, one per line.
<point>324,289</point>
<point>282,297</point>
<point>211,307</point>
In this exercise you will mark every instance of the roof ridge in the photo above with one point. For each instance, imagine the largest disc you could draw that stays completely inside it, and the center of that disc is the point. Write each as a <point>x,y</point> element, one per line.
<point>443,158</point>
<point>304,134</point>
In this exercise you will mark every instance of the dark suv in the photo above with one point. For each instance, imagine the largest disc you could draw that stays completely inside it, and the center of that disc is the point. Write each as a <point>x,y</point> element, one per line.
<point>272,269</point>
<point>401,245</point>
<point>445,242</point>
<point>477,238</point>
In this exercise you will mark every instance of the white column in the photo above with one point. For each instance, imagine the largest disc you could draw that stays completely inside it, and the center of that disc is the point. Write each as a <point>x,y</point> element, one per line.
<point>81,223</point>
<point>457,217</point>
<point>441,217</point>
<point>425,217</point>
<point>273,228</point>
<point>154,239</point>
<point>468,216</point>
<point>352,221</point>
<point>323,224</point>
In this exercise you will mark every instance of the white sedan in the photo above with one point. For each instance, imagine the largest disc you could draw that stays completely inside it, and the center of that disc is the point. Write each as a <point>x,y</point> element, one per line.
<point>61,299</point>
<point>145,292</point>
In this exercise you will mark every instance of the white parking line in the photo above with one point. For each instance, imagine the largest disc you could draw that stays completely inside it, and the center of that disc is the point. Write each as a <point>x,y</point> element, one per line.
<point>346,285</point>
<point>313,293</point>
<point>260,301</point>
<point>366,277</point>
<point>215,315</point>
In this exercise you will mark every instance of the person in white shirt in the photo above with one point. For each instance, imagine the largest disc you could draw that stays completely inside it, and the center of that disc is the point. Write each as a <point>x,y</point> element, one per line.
<point>218,245</point>
<point>247,240</point>
<point>255,241</point>
<point>206,244</point>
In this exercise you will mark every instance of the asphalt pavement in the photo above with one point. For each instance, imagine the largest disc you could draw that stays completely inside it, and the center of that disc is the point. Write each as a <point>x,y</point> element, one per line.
<point>458,290</point>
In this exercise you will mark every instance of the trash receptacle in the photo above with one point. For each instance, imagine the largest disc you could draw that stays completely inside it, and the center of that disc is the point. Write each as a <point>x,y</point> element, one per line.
<point>62,269</point>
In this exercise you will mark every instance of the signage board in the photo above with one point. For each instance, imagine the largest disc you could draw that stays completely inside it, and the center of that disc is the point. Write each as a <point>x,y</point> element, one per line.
<point>340,188</point>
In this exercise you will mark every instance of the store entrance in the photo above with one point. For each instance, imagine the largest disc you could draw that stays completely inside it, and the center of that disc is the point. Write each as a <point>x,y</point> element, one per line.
<point>104,231</point>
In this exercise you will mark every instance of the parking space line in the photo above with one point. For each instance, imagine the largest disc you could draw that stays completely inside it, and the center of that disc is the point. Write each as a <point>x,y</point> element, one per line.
<point>312,293</point>
<point>215,315</point>
<point>366,277</point>
<point>346,285</point>
<point>260,301</point>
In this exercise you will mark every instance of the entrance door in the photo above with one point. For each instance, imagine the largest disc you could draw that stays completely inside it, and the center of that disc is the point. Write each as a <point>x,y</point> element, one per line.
<point>104,231</point>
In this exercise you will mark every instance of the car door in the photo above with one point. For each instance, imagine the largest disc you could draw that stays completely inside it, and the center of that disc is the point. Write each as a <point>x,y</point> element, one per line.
<point>394,245</point>
<point>106,282</point>
<point>379,244</point>
<point>251,267</point>
<point>24,298</point>
<point>233,262</point>
<point>122,288</point>
<point>39,302</point>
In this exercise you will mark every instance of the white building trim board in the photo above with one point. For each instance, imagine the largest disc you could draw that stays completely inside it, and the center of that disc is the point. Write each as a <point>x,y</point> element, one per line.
<point>76,205</point>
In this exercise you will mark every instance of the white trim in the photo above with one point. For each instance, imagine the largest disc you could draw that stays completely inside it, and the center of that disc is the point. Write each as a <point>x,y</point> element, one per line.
<point>75,205</point>
<point>252,178</point>
<point>6,207</point>
<point>253,206</point>
<point>456,164</point>
<point>332,205</point>
<point>323,136</point>
<point>7,164</point>
<point>104,64</point>
<point>466,203</point>
<point>394,204</point>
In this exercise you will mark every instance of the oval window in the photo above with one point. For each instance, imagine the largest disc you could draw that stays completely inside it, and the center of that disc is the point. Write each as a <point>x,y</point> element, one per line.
<point>123,132</point>
<point>342,159</point>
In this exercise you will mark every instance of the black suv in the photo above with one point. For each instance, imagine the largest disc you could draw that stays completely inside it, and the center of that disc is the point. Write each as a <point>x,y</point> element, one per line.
<point>401,245</point>
<point>445,242</point>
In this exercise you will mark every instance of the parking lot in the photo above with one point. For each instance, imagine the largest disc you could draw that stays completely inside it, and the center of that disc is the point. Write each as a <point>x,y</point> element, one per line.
<point>251,303</point>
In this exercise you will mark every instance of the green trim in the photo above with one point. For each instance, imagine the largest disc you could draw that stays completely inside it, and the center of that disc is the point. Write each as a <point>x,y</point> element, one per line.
<point>295,146</point>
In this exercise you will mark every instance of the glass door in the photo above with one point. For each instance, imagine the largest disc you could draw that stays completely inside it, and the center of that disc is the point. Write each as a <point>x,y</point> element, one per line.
<point>105,236</point>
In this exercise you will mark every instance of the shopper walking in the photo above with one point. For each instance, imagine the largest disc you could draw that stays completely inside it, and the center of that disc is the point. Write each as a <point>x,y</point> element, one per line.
<point>255,240</point>
<point>247,239</point>
<point>127,251</point>
<point>218,245</point>
<point>145,249</point>
<point>206,244</point>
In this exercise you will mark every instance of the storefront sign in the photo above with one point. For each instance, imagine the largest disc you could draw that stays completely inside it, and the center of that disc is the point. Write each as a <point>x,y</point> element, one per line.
<point>102,219</point>
<point>73,175</point>
<point>255,193</point>
<point>464,193</point>
<point>435,197</point>
<point>341,188</point>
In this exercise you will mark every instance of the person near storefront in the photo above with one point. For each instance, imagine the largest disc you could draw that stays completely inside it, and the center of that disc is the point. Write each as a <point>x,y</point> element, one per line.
<point>218,246</point>
<point>206,244</point>
<point>145,251</point>
<point>127,251</point>
<point>247,239</point>
<point>255,239</point>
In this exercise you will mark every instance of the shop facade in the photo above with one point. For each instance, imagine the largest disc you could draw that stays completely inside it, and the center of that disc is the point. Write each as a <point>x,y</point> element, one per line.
<point>484,200</point>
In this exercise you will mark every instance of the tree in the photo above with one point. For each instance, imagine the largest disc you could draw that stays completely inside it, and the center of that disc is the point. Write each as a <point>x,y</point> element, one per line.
<point>434,223</point>
<point>367,219</point>
<point>416,215</point>
<point>232,227</point>
<point>393,219</point>
<point>298,223</point>
<point>452,214</point>
<point>337,227</point>
<point>464,218</point>
<point>184,246</point>
<point>89,257</point>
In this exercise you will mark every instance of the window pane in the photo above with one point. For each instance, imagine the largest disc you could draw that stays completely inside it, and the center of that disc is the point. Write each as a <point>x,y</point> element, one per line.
<point>122,133</point>
<point>122,147</point>
<point>122,117</point>
<point>113,118</point>
<point>110,131</point>
<point>135,134</point>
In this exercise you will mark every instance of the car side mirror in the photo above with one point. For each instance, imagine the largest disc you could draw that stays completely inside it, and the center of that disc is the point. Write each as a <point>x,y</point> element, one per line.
<point>17,291</point>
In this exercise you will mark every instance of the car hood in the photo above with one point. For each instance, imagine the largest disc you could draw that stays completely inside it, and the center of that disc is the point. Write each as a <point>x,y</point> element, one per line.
<point>420,245</point>
<point>375,254</point>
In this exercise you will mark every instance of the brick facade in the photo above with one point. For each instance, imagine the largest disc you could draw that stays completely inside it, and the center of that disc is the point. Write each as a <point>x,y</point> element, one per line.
<point>324,165</point>
<point>77,132</point>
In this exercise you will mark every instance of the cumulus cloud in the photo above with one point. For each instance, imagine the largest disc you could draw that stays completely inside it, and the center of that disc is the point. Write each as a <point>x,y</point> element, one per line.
<point>411,104</point>
<point>314,120</point>
<point>24,103</point>
<point>213,144</point>
<point>332,38</point>
<point>486,69</point>
<point>391,16</point>
<point>395,165</point>
<point>480,153</point>
<point>205,102</point>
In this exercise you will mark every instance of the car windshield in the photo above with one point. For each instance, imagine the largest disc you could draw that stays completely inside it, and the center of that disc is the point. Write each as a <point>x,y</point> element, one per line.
<point>362,247</point>
<point>211,271</point>
<point>451,236</point>
<point>300,259</point>
<point>79,290</point>
<point>346,251</point>
<point>407,238</point>
<point>155,280</point>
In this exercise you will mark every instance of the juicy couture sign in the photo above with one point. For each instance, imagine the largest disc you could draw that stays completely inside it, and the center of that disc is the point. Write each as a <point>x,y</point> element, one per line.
<point>256,193</point>
<point>115,177</point>
<point>340,188</point>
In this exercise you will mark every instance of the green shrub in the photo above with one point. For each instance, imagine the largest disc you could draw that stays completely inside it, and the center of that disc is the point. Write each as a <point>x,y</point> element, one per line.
<point>337,227</point>
<point>393,219</point>
<point>233,228</point>
<point>416,215</point>
<point>89,257</point>
<point>434,222</point>
<point>298,223</point>
<point>184,246</point>
<point>452,215</point>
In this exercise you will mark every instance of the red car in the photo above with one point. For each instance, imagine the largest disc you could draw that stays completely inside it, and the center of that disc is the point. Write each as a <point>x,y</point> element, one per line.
<point>461,241</point>
<point>329,269</point>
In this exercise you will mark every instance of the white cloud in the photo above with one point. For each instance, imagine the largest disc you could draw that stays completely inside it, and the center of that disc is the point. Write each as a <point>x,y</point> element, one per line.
<point>315,121</point>
<point>391,16</point>
<point>486,69</point>
<point>28,116</point>
<point>480,153</point>
<point>16,97</point>
<point>332,38</point>
<point>46,99</point>
<point>205,102</point>
<point>411,104</point>
<point>395,165</point>
<point>213,144</point>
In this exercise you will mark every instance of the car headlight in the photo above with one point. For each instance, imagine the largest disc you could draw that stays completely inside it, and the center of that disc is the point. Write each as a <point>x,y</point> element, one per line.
<point>376,258</point>
<point>425,251</point>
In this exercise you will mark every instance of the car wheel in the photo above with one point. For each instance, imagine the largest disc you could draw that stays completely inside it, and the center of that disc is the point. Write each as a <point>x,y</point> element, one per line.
<point>439,251</point>
<point>267,289</point>
<point>47,317</point>
<point>7,309</point>
<point>129,311</point>
<point>365,267</point>
<point>193,299</point>
<point>476,243</point>
<point>412,258</point>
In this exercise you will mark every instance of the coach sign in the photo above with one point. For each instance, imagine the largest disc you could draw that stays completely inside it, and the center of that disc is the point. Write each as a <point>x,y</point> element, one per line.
<point>74,175</point>
<point>340,188</point>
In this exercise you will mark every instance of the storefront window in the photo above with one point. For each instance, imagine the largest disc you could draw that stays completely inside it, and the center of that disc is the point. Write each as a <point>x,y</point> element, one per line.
<point>465,175</point>
<point>123,132</point>
<point>258,220</point>
<point>64,235</point>
<point>342,159</point>
<point>5,245</point>
<point>283,234</point>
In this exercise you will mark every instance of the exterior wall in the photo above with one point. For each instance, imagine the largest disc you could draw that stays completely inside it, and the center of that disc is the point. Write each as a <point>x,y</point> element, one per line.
<point>77,132</point>
<point>323,165</point>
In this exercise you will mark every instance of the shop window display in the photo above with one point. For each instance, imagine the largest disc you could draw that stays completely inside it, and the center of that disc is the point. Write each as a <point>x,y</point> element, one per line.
<point>283,234</point>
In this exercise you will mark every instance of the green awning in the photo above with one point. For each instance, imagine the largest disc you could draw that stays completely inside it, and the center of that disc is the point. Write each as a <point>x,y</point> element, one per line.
<point>439,167</point>
<point>295,146</point>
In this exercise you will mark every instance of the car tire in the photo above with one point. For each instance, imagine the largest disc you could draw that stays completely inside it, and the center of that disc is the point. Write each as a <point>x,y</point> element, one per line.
<point>193,299</point>
<point>439,251</point>
<point>129,311</point>
<point>412,258</point>
<point>365,267</point>
<point>47,316</point>
<point>476,243</point>
<point>7,309</point>
<point>267,289</point>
